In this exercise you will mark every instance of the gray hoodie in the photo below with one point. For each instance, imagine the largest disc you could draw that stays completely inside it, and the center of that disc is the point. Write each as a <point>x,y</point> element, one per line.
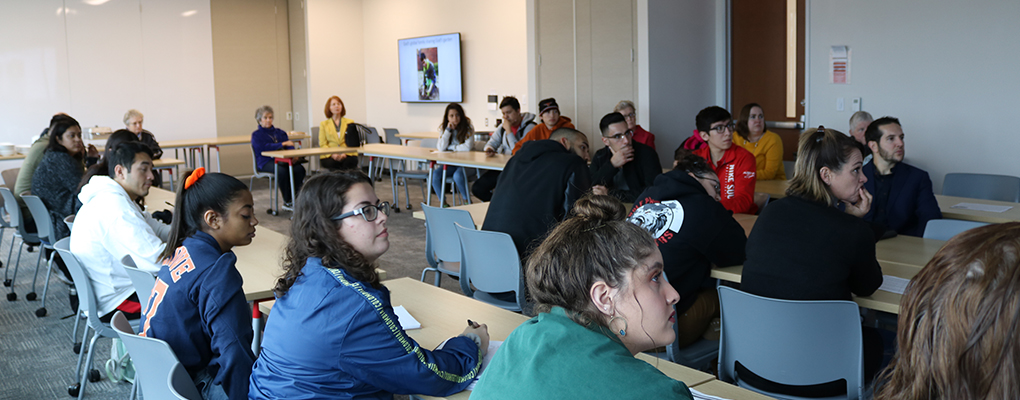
<point>503,142</point>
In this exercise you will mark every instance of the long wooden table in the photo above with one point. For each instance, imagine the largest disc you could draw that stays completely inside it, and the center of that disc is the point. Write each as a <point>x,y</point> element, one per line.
<point>443,313</point>
<point>419,135</point>
<point>288,156</point>
<point>777,189</point>
<point>205,145</point>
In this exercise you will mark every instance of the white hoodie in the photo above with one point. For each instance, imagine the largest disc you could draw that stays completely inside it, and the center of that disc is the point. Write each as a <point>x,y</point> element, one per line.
<point>107,227</point>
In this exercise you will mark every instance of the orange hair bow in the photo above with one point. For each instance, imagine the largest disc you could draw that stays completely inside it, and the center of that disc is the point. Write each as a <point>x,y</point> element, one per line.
<point>200,172</point>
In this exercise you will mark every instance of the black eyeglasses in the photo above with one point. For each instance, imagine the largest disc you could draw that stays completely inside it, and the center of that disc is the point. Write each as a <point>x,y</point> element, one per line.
<point>715,184</point>
<point>619,136</point>
<point>369,212</point>
<point>721,128</point>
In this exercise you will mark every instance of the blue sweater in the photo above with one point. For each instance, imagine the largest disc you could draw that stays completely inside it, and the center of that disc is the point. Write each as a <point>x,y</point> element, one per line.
<point>197,306</point>
<point>331,336</point>
<point>267,139</point>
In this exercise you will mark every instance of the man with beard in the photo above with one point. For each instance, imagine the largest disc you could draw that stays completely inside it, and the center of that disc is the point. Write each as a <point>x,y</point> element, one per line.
<point>903,197</point>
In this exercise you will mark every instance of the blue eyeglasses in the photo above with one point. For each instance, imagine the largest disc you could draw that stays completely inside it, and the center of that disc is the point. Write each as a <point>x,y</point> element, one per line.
<point>369,212</point>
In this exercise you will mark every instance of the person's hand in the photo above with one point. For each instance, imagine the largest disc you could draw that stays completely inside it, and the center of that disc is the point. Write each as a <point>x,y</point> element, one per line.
<point>92,151</point>
<point>490,152</point>
<point>600,190</point>
<point>338,157</point>
<point>863,205</point>
<point>288,143</point>
<point>482,331</point>
<point>625,155</point>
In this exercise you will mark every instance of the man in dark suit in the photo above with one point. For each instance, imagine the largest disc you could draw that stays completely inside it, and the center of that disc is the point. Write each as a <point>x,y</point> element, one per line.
<point>903,198</point>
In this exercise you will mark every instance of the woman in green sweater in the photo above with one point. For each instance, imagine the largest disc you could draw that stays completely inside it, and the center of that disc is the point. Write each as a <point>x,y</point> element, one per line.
<point>602,298</point>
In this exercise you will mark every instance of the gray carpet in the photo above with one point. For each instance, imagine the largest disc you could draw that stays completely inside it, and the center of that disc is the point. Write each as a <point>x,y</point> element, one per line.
<point>36,357</point>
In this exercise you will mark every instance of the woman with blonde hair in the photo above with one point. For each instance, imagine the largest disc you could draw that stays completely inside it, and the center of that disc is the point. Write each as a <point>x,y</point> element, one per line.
<point>959,322</point>
<point>333,132</point>
<point>602,298</point>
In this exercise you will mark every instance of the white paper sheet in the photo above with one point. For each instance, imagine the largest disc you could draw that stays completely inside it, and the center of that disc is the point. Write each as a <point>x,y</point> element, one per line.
<point>893,284</point>
<point>407,322</point>
<point>982,207</point>
<point>701,396</point>
<point>493,346</point>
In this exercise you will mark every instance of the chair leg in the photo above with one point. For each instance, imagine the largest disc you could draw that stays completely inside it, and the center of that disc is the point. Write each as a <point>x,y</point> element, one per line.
<point>74,335</point>
<point>407,197</point>
<point>14,296</point>
<point>35,277</point>
<point>41,312</point>
<point>439,276</point>
<point>81,357</point>
<point>10,253</point>
<point>88,366</point>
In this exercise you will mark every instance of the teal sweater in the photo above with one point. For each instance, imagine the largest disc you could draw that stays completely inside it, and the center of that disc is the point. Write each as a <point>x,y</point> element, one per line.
<point>552,357</point>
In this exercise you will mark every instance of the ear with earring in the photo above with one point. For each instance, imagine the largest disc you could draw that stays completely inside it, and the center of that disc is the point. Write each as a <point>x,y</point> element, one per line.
<point>622,331</point>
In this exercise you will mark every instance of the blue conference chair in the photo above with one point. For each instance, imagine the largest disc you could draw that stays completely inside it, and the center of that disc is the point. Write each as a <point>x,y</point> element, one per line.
<point>982,186</point>
<point>795,343</point>
<point>945,229</point>
<point>489,262</point>
<point>442,245</point>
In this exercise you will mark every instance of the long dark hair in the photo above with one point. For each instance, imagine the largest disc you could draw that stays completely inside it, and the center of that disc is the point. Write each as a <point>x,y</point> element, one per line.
<point>745,114</point>
<point>102,167</point>
<point>313,233</point>
<point>57,129</point>
<point>463,128</point>
<point>213,191</point>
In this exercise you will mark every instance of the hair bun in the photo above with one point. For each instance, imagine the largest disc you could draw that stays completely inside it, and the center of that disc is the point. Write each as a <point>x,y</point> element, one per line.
<point>599,208</point>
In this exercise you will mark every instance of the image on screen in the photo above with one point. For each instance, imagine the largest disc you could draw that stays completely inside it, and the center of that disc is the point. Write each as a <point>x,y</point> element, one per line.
<point>430,69</point>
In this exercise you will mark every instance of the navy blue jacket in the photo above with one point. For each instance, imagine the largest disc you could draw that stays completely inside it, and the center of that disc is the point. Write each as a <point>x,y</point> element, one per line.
<point>332,336</point>
<point>267,139</point>
<point>911,201</point>
<point>198,307</point>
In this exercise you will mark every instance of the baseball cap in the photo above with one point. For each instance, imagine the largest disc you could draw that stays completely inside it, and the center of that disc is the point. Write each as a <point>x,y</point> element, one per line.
<point>546,105</point>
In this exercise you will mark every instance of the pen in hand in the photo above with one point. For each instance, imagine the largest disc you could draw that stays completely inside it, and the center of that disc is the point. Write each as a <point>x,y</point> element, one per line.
<point>473,324</point>
<point>169,203</point>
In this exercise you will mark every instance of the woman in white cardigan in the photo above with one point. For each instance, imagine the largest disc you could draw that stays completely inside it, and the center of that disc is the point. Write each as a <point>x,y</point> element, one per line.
<point>457,135</point>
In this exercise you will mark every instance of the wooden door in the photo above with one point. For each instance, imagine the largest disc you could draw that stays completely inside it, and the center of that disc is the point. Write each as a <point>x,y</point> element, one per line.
<point>759,62</point>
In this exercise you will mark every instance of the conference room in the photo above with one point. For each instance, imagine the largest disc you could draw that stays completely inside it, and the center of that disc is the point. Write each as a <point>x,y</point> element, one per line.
<point>199,70</point>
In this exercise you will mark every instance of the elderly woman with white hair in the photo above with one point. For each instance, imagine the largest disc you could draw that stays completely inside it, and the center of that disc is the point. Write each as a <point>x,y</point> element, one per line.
<point>133,122</point>
<point>268,138</point>
<point>626,107</point>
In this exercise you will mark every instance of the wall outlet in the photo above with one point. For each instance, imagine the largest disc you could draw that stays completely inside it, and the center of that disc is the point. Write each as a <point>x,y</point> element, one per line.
<point>839,104</point>
<point>855,104</point>
<point>486,122</point>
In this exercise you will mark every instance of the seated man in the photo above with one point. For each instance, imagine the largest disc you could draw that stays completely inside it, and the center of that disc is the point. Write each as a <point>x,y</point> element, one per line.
<point>538,188</point>
<point>693,232</point>
<point>858,124</point>
<point>624,167</point>
<point>902,195</point>
<point>110,225</point>
<point>549,112</point>
<point>734,165</point>
<point>515,125</point>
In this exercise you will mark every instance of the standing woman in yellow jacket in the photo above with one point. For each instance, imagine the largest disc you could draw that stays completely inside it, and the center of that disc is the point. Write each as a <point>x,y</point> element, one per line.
<point>766,145</point>
<point>332,133</point>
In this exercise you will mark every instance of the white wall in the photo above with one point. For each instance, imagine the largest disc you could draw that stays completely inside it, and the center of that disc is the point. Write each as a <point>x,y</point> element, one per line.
<point>683,70</point>
<point>96,62</point>
<point>494,54</point>
<point>336,58</point>
<point>947,69</point>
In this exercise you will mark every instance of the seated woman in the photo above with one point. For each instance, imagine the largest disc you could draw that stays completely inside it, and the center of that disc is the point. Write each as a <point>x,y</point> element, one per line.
<point>133,122</point>
<point>332,332</point>
<point>626,108</point>
<point>766,145</point>
<point>333,133</point>
<point>803,247</point>
<point>959,335</point>
<point>197,305</point>
<point>269,138</point>
<point>457,135</point>
<point>56,178</point>
<point>693,231</point>
<point>598,284</point>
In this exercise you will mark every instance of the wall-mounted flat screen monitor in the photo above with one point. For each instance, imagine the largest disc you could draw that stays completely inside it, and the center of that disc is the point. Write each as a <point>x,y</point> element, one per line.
<point>430,69</point>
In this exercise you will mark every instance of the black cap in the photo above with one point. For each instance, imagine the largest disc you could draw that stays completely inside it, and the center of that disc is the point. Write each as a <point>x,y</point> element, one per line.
<point>546,105</point>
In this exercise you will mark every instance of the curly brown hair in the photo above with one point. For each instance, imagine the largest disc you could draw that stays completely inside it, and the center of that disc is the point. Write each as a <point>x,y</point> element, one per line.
<point>314,234</point>
<point>595,244</point>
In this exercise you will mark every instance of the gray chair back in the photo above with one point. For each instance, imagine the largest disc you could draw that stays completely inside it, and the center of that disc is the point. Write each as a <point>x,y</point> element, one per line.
<point>945,229</point>
<point>489,262</point>
<point>153,359</point>
<point>10,177</point>
<point>180,384</point>
<point>143,281</point>
<point>790,342</point>
<point>391,135</point>
<point>442,247</point>
<point>43,222</point>
<point>982,186</point>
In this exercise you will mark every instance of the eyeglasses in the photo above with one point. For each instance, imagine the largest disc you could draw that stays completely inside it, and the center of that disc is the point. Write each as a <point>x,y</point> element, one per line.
<point>630,115</point>
<point>721,128</point>
<point>619,136</point>
<point>369,212</point>
<point>715,184</point>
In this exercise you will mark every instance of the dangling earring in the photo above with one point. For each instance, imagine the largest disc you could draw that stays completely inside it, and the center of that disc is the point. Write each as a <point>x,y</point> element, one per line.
<point>623,332</point>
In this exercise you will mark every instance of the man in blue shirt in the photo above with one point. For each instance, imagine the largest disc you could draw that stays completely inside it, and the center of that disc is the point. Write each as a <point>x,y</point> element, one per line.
<point>903,198</point>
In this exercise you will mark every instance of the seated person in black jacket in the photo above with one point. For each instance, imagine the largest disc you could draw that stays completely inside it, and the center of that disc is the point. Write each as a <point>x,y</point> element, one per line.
<point>624,167</point>
<point>804,248</point>
<point>538,188</point>
<point>693,231</point>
